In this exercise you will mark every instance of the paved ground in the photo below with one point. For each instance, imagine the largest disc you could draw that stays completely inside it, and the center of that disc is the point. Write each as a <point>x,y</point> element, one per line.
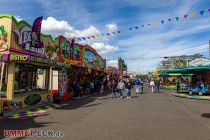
<point>144,117</point>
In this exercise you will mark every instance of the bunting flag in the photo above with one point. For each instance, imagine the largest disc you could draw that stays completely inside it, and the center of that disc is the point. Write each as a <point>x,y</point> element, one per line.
<point>125,30</point>
<point>185,16</point>
<point>193,14</point>
<point>177,18</point>
<point>163,21</point>
<point>202,12</point>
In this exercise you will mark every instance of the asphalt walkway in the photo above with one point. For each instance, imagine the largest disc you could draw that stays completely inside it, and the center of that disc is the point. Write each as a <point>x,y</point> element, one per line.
<point>150,116</point>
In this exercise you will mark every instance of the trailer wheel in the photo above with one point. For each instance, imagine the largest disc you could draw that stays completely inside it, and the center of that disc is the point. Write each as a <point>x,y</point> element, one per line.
<point>200,93</point>
<point>190,92</point>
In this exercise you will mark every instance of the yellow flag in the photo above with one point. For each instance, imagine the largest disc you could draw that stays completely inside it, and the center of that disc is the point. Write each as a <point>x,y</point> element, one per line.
<point>125,30</point>
<point>193,14</point>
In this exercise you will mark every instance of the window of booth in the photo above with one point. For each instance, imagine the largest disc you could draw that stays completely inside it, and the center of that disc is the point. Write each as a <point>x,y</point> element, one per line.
<point>30,78</point>
<point>3,79</point>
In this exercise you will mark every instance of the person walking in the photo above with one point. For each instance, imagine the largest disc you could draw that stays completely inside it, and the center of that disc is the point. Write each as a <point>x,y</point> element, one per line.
<point>177,86</point>
<point>111,86</point>
<point>121,87</point>
<point>157,86</point>
<point>115,86</point>
<point>129,87</point>
<point>152,85</point>
<point>92,87</point>
<point>138,83</point>
<point>141,86</point>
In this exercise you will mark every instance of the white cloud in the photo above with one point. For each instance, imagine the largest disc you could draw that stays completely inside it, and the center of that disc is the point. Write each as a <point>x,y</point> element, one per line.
<point>104,48</point>
<point>112,27</point>
<point>55,27</point>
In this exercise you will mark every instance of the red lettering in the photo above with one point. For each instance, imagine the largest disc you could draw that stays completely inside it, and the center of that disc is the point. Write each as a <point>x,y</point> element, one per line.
<point>18,133</point>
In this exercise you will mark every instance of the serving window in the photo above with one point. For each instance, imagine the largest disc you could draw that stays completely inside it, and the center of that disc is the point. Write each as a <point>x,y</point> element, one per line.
<point>29,78</point>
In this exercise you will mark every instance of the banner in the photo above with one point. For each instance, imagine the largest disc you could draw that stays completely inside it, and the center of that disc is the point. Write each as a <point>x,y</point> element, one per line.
<point>163,21</point>
<point>36,33</point>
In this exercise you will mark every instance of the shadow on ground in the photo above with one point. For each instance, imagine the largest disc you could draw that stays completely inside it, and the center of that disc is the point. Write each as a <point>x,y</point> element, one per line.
<point>17,124</point>
<point>74,104</point>
<point>205,115</point>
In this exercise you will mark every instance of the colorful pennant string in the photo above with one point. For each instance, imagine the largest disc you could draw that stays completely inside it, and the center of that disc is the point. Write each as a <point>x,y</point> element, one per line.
<point>177,18</point>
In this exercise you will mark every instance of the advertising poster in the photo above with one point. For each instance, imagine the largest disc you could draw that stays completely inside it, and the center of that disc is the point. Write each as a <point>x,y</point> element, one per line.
<point>90,58</point>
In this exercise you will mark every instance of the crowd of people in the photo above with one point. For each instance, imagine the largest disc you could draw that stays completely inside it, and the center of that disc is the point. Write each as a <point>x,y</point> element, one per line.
<point>118,86</point>
<point>88,87</point>
<point>155,85</point>
<point>125,86</point>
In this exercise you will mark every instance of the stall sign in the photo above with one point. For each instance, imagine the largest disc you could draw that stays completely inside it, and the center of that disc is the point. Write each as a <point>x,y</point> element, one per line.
<point>102,63</point>
<point>33,99</point>
<point>3,38</point>
<point>60,64</point>
<point>200,62</point>
<point>19,57</point>
<point>124,73</point>
<point>90,58</point>
<point>41,60</point>
<point>30,39</point>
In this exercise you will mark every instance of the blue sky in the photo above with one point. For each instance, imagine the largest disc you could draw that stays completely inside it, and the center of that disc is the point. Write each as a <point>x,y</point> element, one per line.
<point>88,17</point>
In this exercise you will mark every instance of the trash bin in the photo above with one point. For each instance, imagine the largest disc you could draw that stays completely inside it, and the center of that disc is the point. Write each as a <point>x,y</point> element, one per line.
<point>56,98</point>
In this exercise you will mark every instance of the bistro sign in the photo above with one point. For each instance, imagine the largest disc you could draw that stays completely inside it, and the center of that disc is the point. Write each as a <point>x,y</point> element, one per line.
<point>19,57</point>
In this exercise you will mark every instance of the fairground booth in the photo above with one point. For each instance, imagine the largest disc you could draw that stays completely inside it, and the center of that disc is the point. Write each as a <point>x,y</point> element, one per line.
<point>34,66</point>
<point>27,58</point>
<point>198,71</point>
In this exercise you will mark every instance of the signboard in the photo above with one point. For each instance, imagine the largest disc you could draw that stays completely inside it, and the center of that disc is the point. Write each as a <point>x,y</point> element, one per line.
<point>102,63</point>
<point>90,58</point>
<point>112,70</point>
<point>30,39</point>
<point>33,99</point>
<point>76,52</point>
<point>200,62</point>
<point>65,49</point>
<point>3,39</point>
<point>180,64</point>
<point>19,58</point>
<point>124,73</point>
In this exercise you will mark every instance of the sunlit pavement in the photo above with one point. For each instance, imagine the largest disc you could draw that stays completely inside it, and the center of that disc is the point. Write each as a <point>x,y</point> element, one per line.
<point>150,116</point>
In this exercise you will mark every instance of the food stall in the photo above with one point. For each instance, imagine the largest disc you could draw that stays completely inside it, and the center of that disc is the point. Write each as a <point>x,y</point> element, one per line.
<point>27,57</point>
<point>77,70</point>
<point>60,74</point>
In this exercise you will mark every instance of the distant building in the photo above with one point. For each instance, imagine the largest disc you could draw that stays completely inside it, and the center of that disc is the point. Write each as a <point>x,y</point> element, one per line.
<point>122,67</point>
<point>177,61</point>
